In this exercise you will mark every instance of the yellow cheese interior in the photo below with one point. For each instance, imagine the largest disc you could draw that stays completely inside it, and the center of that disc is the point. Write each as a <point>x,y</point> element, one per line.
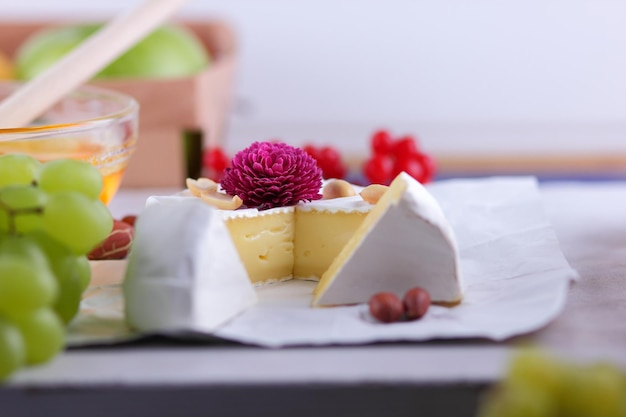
<point>319,237</point>
<point>300,243</point>
<point>391,196</point>
<point>265,245</point>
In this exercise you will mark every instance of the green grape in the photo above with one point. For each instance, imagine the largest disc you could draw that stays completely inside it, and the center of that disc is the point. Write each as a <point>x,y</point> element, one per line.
<point>536,367</point>
<point>18,169</point>
<point>25,286</point>
<point>26,281</point>
<point>606,393</point>
<point>66,270</point>
<point>538,385</point>
<point>68,302</point>
<point>12,349</point>
<point>596,390</point>
<point>25,222</point>
<point>6,221</point>
<point>71,175</point>
<point>518,400</point>
<point>59,256</point>
<point>68,305</point>
<point>76,221</point>
<point>84,271</point>
<point>22,197</point>
<point>23,204</point>
<point>23,246</point>
<point>43,333</point>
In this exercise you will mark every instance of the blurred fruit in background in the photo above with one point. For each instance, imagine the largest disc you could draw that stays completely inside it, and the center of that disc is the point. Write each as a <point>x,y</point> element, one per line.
<point>6,67</point>
<point>180,114</point>
<point>539,385</point>
<point>170,51</point>
<point>328,159</point>
<point>214,162</point>
<point>390,156</point>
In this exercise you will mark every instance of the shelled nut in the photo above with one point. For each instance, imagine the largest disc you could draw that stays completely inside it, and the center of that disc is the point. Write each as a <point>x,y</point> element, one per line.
<point>372,193</point>
<point>221,201</point>
<point>201,185</point>
<point>337,189</point>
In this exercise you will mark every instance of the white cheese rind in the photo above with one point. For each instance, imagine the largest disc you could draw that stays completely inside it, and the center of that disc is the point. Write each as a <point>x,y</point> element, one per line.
<point>337,205</point>
<point>183,270</point>
<point>410,245</point>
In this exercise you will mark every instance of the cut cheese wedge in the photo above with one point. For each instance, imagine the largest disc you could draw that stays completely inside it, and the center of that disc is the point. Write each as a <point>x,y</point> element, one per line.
<point>322,229</point>
<point>404,242</point>
<point>294,242</point>
<point>264,240</point>
<point>183,270</point>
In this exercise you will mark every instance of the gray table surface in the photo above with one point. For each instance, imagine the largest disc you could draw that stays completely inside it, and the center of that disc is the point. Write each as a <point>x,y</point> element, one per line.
<point>161,377</point>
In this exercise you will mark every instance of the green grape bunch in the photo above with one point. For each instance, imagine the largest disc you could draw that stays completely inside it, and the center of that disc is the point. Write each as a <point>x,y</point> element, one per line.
<point>50,219</point>
<point>537,385</point>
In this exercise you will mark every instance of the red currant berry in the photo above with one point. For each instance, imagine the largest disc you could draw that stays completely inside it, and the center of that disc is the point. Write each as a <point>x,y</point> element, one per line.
<point>215,158</point>
<point>328,159</point>
<point>381,143</point>
<point>412,166</point>
<point>330,162</point>
<point>214,162</point>
<point>311,150</point>
<point>405,146</point>
<point>378,169</point>
<point>336,171</point>
<point>429,165</point>
<point>329,155</point>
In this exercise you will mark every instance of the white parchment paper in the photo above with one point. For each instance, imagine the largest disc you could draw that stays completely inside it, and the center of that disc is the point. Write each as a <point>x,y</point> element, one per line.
<point>515,280</point>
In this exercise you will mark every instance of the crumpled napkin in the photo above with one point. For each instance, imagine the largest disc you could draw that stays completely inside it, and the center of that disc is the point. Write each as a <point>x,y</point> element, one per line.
<point>515,280</point>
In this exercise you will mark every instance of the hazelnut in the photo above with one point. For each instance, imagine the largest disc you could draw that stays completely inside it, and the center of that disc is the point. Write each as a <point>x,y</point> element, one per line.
<point>372,193</point>
<point>386,307</point>
<point>416,302</point>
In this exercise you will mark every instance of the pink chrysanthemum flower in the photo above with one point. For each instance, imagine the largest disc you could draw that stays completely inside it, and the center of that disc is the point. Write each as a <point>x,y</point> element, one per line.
<point>267,175</point>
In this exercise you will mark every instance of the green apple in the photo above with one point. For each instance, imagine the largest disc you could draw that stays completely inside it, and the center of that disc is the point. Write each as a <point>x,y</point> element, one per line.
<point>169,51</point>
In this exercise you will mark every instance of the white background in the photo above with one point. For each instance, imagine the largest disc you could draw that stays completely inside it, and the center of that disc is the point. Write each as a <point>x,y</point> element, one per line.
<point>467,76</point>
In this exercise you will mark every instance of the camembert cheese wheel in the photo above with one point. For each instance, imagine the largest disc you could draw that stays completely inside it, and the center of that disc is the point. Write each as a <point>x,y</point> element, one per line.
<point>404,242</point>
<point>184,270</point>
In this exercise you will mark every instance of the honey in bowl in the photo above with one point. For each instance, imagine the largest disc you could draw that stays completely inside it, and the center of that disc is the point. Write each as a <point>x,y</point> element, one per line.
<point>92,124</point>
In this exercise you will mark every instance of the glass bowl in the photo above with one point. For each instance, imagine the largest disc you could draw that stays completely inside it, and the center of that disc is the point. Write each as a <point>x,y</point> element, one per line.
<point>91,124</point>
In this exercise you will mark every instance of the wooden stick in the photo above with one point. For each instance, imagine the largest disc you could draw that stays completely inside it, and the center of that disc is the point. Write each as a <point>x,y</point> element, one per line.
<point>82,63</point>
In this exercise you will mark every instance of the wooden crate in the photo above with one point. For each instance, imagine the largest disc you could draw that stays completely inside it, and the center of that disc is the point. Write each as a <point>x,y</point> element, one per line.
<point>168,107</point>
